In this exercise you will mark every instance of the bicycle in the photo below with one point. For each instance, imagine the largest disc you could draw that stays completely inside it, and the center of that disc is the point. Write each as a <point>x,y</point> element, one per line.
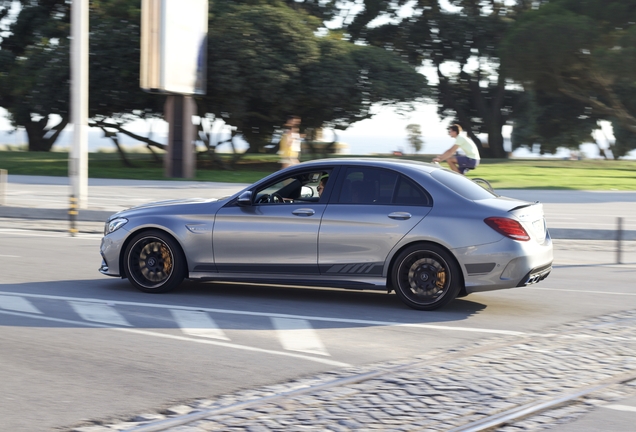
<point>480,181</point>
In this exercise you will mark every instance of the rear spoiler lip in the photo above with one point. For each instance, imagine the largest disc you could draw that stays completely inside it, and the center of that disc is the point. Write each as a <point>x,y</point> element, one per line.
<point>524,206</point>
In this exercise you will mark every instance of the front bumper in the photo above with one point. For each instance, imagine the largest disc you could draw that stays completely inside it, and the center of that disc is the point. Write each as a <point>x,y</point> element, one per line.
<point>103,269</point>
<point>110,250</point>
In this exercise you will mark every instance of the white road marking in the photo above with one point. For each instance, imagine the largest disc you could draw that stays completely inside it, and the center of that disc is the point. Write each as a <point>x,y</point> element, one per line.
<point>98,312</point>
<point>18,304</point>
<point>184,339</point>
<point>580,291</point>
<point>278,315</point>
<point>298,335</point>
<point>621,407</point>
<point>196,323</point>
<point>9,256</point>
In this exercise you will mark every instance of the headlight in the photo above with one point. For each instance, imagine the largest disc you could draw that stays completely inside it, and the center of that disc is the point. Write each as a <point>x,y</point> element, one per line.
<point>114,225</point>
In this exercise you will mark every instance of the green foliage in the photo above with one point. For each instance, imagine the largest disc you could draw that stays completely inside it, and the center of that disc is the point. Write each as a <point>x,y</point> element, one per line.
<point>553,121</point>
<point>581,56</point>
<point>463,47</point>
<point>266,62</point>
<point>415,137</point>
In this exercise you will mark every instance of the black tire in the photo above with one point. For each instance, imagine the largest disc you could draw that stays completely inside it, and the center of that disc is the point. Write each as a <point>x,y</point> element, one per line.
<point>426,277</point>
<point>154,262</point>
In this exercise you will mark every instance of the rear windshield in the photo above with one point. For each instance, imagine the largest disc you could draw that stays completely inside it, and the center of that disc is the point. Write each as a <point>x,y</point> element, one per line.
<point>462,185</point>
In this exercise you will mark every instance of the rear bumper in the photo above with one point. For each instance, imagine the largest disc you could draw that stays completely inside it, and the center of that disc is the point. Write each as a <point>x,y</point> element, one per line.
<point>512,264</point>
<point>535,275</point>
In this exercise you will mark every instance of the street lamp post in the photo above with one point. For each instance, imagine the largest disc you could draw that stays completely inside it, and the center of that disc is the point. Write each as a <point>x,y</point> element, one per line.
<point>78,157</point>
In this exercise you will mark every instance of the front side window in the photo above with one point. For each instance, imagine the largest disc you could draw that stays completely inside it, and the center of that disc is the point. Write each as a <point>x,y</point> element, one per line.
<point>298,188</point>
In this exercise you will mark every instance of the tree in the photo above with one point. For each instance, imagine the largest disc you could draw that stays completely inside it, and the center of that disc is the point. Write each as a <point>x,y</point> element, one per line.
<point>34,68</point>
<point>461,43</point>
<point>265,62</point>
<point>415,137</point>
<point>581,53</point>
<point>553,121</point>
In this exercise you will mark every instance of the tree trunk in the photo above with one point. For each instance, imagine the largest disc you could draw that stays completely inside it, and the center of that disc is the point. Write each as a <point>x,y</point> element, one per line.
<point>40,138</point>
<point>490,114</point>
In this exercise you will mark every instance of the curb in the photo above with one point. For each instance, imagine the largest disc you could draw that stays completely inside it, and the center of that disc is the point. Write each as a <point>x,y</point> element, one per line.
<point>591,234</point>
<point>54,214</point>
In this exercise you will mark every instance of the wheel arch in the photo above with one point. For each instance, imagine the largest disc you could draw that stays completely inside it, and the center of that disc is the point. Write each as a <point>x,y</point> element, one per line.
<point>134,234</point>
<point>462,291</point>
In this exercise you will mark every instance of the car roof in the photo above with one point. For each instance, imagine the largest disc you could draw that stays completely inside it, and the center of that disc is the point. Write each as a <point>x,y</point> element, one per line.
<point>377,162</point>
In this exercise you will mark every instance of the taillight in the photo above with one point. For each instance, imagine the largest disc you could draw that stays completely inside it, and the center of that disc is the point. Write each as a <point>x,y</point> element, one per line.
<point>508,227</point>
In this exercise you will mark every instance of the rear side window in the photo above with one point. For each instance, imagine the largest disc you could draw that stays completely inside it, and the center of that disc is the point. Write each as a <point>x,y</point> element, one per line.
<point>407,193</point>
<point>462,185</point>
<point>378,186</point>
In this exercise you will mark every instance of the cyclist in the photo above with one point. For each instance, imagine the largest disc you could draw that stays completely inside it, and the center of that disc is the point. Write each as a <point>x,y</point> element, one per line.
<point>460,162</point>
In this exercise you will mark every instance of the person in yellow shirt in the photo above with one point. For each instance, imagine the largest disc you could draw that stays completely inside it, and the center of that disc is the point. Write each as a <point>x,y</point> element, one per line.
<point>289,146</point>
<point>463,155</point>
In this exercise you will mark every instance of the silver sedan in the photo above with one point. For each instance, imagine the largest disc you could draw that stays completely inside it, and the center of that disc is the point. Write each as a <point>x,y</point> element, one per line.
<point>426,233</point>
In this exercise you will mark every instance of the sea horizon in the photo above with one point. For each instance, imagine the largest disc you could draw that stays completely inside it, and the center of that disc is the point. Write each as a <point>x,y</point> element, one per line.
<point>354,144</point>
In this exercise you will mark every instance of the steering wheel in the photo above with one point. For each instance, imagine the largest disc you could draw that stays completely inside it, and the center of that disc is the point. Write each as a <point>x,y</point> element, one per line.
<point>263,199</point>
<point>270,198</point>
<point>276,198</point>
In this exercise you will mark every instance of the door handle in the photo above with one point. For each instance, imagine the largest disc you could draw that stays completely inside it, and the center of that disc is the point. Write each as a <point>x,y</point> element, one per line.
<point>400,215</point>
<point>304,212</point>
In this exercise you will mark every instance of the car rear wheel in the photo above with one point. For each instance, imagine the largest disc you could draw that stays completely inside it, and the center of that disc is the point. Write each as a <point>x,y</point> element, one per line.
<point>154,262</point>
<point>426,277</point>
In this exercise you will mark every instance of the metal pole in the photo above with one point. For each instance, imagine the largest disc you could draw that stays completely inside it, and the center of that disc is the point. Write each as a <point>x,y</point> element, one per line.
<point>619,240</point>
<point>3,186</point>
<point>72,216</point>
<point>78,158</point>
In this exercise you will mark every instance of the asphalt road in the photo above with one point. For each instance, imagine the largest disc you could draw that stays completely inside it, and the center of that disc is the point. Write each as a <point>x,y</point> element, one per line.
<point>80,346</point>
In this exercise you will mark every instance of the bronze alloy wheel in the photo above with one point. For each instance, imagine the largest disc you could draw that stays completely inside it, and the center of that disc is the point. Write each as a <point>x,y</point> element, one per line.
<point>426,277</point>
<point>153,262</point>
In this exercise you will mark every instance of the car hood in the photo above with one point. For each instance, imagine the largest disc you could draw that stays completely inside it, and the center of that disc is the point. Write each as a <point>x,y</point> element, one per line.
<point>175,206</point>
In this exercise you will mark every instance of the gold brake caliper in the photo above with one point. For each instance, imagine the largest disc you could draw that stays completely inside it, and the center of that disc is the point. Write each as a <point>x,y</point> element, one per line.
<point>167,259</point>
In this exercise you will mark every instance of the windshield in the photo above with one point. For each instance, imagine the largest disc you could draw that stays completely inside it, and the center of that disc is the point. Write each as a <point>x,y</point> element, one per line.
<point>462,185</point>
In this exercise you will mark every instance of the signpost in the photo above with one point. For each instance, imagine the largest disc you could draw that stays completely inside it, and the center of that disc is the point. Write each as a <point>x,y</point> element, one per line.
<point>173,62</point>
<point>78,157</point>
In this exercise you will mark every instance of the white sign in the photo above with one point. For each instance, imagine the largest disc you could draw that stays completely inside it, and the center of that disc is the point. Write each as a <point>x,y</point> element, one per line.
<point>174,46</point>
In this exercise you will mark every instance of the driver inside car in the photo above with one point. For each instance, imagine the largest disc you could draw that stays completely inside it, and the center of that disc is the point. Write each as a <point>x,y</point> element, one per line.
<point>306,187</point>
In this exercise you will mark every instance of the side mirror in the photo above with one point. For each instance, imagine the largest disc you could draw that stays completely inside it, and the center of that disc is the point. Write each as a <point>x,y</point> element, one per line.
<point>306,192</point>
<point>245,199</point>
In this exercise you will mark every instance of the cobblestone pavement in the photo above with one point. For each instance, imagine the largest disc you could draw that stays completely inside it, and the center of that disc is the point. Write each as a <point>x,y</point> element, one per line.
<point>439,391</point>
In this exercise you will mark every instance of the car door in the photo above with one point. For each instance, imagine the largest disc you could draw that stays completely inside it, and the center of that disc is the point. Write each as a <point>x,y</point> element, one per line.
<point>368,215</point>
<point>277,237</point>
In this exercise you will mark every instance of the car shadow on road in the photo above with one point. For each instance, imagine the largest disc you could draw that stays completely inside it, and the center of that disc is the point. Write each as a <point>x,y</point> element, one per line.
<point>336,306</point>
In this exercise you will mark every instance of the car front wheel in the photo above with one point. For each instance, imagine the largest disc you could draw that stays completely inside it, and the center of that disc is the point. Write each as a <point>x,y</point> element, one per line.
<point>154,262</point>
<point>426,277</point>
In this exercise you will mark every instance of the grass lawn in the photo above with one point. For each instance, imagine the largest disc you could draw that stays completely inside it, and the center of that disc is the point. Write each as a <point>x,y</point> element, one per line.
<point>502,174</point>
